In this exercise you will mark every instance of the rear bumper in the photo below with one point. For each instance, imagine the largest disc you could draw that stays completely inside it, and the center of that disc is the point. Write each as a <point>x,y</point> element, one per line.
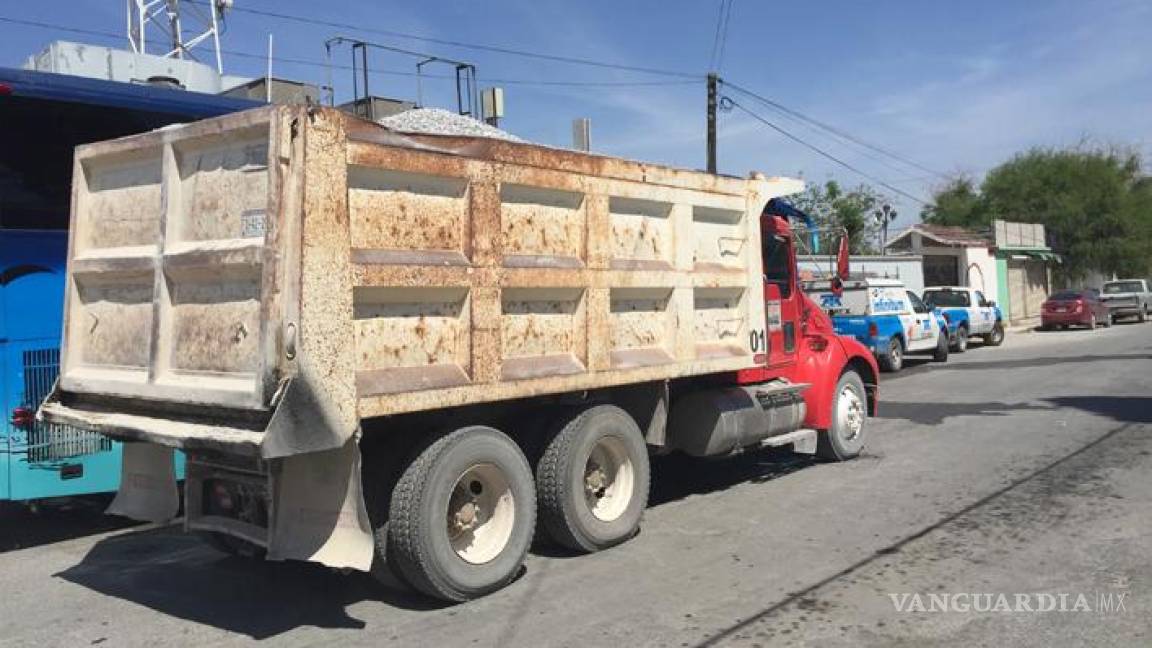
<point>1065,318</point>
<point>161,430</point>
<point>1125,310</point>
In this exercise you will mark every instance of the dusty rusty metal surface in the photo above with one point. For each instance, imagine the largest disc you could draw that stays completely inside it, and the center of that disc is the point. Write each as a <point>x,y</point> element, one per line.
<point>396,273</point>
<point>570,271</point>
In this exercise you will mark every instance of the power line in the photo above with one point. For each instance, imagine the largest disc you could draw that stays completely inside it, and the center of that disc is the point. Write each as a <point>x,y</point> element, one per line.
<point>835,131</point>
<point>720,25</point>
<point>321,64</point>
<point>723,37</point>
<point>72,30</point>
<point>834,139</point>
<point>822,152</point>
<point>473,46</point>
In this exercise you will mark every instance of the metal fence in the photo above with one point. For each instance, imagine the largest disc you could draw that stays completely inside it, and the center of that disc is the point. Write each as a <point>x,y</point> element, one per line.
<point>48,442</point>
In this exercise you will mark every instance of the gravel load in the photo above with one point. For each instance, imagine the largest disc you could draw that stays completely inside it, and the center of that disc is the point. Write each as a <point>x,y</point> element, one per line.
<point>436,121</point>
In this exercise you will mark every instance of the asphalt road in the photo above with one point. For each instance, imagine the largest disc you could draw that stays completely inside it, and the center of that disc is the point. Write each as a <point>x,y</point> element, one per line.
<point>1020,470</point>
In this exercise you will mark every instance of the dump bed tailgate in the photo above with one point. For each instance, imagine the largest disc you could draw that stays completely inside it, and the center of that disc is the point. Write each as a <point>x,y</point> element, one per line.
<point>174,272</point>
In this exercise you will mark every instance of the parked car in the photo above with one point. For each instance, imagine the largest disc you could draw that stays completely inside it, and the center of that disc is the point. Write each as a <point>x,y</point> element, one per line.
<point>968,314</point>
<point>1074,308</point>
<point>885,317</point>
<point>1127,298</point>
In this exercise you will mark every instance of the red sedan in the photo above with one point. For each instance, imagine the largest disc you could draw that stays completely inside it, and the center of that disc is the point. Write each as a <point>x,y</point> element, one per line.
<point>1075,308</point>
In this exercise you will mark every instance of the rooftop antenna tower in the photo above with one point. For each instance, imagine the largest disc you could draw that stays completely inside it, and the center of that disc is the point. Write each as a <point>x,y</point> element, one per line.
<point>178,26</point>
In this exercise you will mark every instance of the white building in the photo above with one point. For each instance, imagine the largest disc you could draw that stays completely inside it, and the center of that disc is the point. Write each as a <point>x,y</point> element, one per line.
<point>952,256</point>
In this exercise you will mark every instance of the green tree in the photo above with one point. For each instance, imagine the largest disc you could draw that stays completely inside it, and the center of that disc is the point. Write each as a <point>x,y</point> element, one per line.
<point>1095,205</point>
<point>957,203</point>
<point>833,207</point>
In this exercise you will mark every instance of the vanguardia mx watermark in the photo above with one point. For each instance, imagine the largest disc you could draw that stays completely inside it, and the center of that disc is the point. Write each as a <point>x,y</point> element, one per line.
<point>1098,602</point>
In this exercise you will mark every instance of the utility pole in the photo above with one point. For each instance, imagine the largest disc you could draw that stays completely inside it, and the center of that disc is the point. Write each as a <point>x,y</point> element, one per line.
<point>713,81</point>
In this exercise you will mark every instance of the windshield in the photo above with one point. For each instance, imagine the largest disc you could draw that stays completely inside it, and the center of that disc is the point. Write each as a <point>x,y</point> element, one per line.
<point>1065,295</point>
<point>1123,287</point>
<point>945,298</point>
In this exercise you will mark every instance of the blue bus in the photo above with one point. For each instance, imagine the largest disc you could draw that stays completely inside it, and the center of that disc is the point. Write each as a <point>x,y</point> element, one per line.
<point>43,117</point>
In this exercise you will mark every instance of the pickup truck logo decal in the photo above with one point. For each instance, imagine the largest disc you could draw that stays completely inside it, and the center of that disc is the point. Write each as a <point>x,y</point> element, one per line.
<point>828,300</point>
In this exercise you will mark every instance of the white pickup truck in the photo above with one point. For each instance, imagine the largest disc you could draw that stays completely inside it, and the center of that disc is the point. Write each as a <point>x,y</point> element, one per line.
<point>1127,298</point>
<point>968,314</point>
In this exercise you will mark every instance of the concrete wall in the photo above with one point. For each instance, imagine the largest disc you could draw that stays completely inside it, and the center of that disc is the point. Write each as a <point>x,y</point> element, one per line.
<point>979,270</point>
<point>907,268</point>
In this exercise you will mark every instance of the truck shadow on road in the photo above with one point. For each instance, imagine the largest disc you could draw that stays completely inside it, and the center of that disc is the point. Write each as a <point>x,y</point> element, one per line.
<point>22,527</point>
<point>676,476</point>
<point>178,575</point>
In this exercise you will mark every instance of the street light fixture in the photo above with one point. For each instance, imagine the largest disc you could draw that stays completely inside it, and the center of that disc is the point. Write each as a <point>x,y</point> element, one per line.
<point>883,217</point>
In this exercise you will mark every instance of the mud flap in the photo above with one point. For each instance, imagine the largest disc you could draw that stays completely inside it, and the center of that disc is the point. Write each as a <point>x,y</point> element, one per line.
<point>318,510</point>
<point>148,489</point>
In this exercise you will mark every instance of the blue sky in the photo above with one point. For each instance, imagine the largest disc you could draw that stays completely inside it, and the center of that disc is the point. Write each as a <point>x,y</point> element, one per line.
<point>955,86</point>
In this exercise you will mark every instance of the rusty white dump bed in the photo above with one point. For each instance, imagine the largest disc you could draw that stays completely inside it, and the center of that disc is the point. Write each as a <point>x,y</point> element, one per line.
<point>378,273</point>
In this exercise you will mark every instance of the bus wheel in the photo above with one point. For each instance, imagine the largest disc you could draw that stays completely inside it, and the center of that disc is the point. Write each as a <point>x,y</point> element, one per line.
<point>462,515</point>
<point>593,480</point>
<point>845,439</point>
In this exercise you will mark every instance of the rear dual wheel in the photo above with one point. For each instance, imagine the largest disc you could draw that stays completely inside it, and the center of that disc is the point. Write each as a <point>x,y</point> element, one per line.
<point>462,515</point>
<point>593,480</point>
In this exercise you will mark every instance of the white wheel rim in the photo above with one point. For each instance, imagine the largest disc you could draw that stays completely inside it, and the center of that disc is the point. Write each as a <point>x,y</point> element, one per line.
<point>609,479</point>
<point>850,413</point>
<point>481,514</point>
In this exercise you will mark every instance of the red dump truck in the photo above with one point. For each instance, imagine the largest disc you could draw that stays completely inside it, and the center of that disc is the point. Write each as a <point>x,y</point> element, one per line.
<point>416,350</point>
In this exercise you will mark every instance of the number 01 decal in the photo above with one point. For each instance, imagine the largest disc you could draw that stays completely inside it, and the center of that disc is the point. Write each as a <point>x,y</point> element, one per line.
<point>757,341</point>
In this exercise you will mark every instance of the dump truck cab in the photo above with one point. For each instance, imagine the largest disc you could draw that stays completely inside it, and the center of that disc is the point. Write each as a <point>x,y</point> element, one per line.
<point>803,344</point>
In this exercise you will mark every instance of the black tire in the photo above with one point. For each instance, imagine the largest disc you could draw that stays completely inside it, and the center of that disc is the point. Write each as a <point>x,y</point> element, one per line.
<point>996,337</point>
<point>843,440</point>
<point>960,344</point>
<point>419,545</point>
<point>234,546</point>
<point>562,480</point>
<point>941,352</point>
<point>894,360</point>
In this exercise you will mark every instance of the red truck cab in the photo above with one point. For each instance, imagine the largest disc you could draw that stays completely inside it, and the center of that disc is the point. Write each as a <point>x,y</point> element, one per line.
<point>805,346</point>
<point>811,388</point>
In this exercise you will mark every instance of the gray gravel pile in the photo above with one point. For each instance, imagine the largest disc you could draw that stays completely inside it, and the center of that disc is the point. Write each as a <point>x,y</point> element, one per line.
<point>435,121</point>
